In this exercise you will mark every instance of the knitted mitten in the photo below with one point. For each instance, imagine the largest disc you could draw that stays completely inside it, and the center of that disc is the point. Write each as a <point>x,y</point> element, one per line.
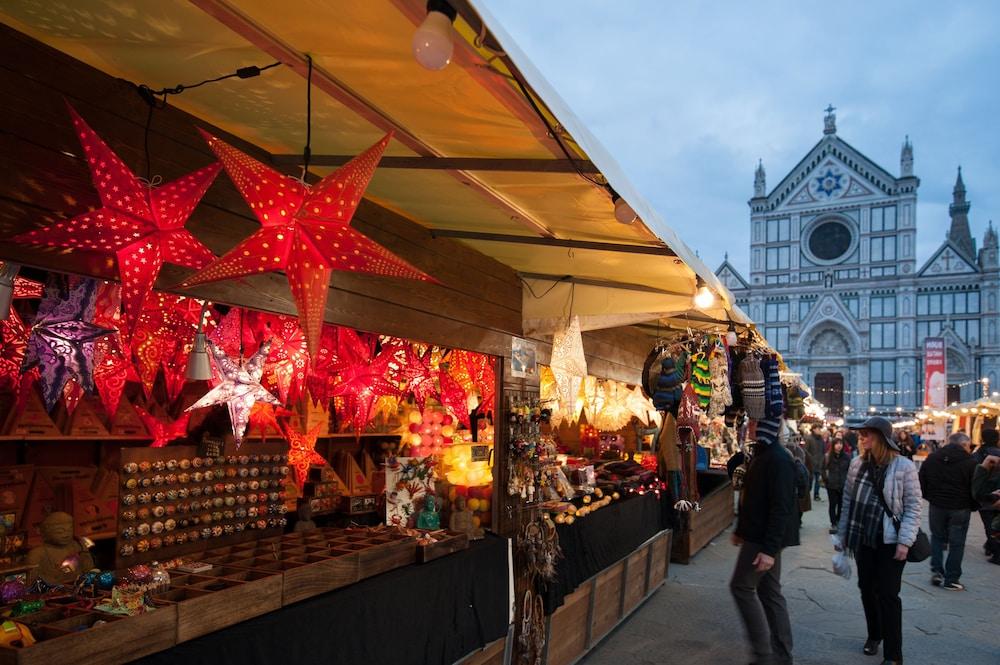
<point>701,379</point>
<point>773,394</point>
<point>721,394</point>
<point>752,388</point>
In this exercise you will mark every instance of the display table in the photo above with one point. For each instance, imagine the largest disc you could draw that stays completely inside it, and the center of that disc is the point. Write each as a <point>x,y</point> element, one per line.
<point>437,612</point>
<point>695,530</point>
<point>613,560</point>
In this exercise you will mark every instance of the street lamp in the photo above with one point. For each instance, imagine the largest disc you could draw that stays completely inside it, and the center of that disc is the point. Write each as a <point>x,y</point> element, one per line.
<point>871,409</point>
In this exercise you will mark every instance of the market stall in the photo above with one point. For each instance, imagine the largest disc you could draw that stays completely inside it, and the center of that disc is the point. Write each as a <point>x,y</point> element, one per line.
<point>301,380</point>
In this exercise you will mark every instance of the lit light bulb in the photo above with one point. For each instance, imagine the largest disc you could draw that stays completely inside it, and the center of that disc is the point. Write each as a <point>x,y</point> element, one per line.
<point>624,212</point>
<point>703,298</point>
<point>432,44</point>
<point>731,338</point>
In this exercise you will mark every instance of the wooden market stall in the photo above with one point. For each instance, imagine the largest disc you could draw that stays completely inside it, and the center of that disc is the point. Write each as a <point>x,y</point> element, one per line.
<point>489,187</point>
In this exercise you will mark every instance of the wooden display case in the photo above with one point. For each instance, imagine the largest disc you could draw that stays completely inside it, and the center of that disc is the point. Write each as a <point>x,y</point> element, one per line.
<point>717,512</point>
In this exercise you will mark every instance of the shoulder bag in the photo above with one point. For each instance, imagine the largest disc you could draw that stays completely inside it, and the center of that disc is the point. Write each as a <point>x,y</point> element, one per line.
<point>921,547</point>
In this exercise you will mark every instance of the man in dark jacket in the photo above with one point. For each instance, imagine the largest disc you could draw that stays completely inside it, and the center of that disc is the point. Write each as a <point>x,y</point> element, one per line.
<point>946,483</point>
<point>815,450</point>
<point>768,522</point>
<point>991,439</point>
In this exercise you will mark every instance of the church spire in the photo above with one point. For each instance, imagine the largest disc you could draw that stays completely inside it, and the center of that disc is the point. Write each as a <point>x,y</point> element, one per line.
<point>959,234</point>
<point>906,159</point>
<point>759,180</point>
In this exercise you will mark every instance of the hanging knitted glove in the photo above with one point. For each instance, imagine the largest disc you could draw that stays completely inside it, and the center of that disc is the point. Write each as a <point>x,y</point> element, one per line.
<point>701,379</point>
<point>752,387</point>
<point>773,394</point>
<point>721,394</point>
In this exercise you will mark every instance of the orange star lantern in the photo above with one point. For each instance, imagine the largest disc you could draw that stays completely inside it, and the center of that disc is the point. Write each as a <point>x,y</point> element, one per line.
<point>306,231</point>
<point>142,225</point>
<point>163,433</point>
<point>302,452</point>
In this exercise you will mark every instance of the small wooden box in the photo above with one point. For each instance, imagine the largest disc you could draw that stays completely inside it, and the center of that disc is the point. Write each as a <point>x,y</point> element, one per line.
<point>206,604</point>
<point>319,574</point>
<point>70,638</point>
<point>385,553</point>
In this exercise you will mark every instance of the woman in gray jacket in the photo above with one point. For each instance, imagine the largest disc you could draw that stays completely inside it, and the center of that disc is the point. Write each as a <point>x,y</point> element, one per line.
<point>868,531</point>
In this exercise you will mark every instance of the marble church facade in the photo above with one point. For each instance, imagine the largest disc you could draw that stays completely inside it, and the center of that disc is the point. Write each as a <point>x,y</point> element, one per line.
<point>834,283</point>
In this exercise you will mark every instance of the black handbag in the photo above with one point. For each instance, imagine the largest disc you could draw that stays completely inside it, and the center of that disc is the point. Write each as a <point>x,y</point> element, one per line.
<point>921,547</point>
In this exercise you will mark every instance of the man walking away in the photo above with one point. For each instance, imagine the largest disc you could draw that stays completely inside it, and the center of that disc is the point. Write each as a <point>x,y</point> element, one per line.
<point>815,450</point>
<point>946,483</point>
<point>767,523</point>
<point>988,514</point>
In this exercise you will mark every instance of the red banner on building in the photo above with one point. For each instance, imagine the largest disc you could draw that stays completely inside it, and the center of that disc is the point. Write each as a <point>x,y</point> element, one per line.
<point>935,373</point>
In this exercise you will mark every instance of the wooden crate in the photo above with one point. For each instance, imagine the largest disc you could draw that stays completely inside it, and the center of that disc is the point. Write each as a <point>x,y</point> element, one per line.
<point>385,553</point>
<point>717,513</point>
<point>659,552</point>
<point>69,637</point>
<point>607,601</point>
<point>634,589</point>
<point>206,604</point>
<point>568,633</point>
<point>451,542</point>
<point>319,574</point>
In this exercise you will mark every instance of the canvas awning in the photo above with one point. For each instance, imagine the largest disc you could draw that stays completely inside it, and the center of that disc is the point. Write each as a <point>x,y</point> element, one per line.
<point>534,203</point>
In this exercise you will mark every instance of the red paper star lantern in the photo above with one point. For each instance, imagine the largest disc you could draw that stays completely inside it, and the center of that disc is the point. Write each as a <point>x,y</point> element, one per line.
<point>142,225</point>
<point>421,378</point>
<point>163,433</point>
<point>288,363</point>
<point>474,372</point>
<point>72,394</point>
<point>112,367</point>
<point>323,367</point>
<point>13,343</point>
<point>164,337</point>
<point>363,380</point>
<point>454,398</point>
<point>306,231</point>
<point>302,452</point>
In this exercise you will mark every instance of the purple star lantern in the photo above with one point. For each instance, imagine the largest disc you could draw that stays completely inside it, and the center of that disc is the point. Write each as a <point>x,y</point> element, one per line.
<point>239,387</point>
<point>62,337</point>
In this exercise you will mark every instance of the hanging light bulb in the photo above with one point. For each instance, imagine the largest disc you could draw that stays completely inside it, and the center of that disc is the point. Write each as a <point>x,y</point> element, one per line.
<point>731,338</point>
<point>8,272</point>
<point>623,211</point>
<point>199,368</point>
<point>703,297</point>
<point>432,42</point>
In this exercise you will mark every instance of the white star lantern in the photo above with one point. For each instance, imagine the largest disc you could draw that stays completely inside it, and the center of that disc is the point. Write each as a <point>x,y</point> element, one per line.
<point>238,388</point>
<point>569,365</point>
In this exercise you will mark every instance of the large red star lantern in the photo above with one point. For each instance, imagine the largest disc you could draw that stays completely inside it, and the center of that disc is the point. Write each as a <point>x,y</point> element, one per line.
<point>302,452</point>
<point>474,372</point>
<point>13,343</point>
<point>24,287</point>
<point>161,432</point>
<point>164,337</point>
<point>323,367</point>
<point>306,231</point>
<point>287,365</point>
<point>364,379</point>
<point>142,225</point>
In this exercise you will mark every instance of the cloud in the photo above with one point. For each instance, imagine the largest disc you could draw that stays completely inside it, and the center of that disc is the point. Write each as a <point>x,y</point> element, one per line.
<point>687,97</point>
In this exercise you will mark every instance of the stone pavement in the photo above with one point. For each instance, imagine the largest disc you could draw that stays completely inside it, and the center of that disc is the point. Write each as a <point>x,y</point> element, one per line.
<point>692,619</point>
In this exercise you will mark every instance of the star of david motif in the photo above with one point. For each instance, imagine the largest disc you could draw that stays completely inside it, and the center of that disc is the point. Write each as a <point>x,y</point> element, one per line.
<point>829,182</point>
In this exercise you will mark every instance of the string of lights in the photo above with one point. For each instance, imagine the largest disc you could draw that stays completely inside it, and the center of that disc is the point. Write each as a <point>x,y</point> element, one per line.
<point>906,391</point>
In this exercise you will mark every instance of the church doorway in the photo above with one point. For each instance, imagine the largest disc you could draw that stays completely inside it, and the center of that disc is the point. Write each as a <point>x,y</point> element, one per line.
<point>954,393</point>
<point>830,391</point>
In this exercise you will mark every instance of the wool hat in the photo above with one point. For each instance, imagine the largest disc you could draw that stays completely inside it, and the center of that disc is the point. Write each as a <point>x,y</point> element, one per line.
<point>883,427</point>
<point>768,430</point>
<point>752,387</point>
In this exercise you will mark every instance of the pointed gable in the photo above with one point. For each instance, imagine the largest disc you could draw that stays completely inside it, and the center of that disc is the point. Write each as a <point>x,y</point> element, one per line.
<point>828,309</point>
<point>948,260</point>
<point>831,171</point>
<point>731,277</point>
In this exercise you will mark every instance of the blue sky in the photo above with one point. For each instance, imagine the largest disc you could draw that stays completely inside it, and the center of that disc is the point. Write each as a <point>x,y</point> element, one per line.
<point>688,95</point>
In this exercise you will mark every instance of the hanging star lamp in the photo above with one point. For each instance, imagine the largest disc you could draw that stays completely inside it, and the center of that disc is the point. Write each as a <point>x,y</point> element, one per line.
<point>319,381</point>
<point>362,382</point>
<point>142,225</point>
<point>302,452</point>
<point>61,343</point>
<point>306,231</point>
<point>287,365</point>
<point>13,343</point>
<point>161,432</point>
<point>454,398</point>
<point>569,365</point>
<point>239,387</point>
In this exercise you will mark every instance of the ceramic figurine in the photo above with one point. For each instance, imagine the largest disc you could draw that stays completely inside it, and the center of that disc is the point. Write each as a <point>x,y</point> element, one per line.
<point>59,559</point>
<point>461,520</point>
<point>305,521</point>
<point>429,517</point>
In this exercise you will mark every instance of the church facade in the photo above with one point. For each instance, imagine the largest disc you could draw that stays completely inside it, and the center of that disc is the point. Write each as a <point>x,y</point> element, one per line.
<point>834,283</point>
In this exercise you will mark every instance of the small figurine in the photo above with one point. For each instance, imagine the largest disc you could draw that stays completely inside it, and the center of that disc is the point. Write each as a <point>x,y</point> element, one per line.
<point>461,520</point>
<point>59,559</point>
<point>305,521</point>
<point>429,517</point>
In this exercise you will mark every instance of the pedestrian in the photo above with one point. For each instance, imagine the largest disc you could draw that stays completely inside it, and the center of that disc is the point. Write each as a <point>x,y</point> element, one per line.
<point>907,447</point>
<point>767,523</point>
<point>835,467</point>
<point>815,451</point>
<point>986,490</point>
<point>881,491</point>
<point>851,442</point>
<point>946,482</point>
<point>987,514</point>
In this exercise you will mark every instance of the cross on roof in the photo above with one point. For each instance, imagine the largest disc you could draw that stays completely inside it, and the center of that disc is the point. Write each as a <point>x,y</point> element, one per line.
<point>830,108</point>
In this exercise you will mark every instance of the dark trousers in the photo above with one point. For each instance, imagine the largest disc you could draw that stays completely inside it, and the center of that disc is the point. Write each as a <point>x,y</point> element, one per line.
<point>951,527</point>
<point>879,578</point>
<point>816,483</point>
<point>835,497</point>
<point>762,607</point>
<point>987,516</point>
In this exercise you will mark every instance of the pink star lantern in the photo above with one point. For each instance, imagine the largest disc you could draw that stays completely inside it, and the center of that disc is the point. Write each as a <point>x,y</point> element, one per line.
<point>306,231</point>
<point>239,387</point>
<point>163,433</point>
<point>302,452</point>
<point>142,225</point>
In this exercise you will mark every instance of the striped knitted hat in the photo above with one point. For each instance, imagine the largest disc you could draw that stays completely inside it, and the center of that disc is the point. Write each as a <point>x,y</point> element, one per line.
<point>768,430</point>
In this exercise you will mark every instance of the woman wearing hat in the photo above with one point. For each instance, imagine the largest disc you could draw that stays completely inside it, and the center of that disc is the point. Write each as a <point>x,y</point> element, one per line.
<point>868,532</point>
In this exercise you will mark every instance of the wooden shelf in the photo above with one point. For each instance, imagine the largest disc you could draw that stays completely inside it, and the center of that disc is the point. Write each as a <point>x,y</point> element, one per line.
<point>66,437</point>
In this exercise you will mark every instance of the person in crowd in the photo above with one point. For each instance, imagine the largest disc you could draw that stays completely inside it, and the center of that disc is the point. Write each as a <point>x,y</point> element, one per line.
<point>803,475</point>
<point>851,442</point>
<point>815,451</point>
<point>835,466</point>
<point>907,447</point>
<point>987,513</point>
<point>986,490</point>
<point>946,483</point>
<point>767,523</point>
<point>878,524</point>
